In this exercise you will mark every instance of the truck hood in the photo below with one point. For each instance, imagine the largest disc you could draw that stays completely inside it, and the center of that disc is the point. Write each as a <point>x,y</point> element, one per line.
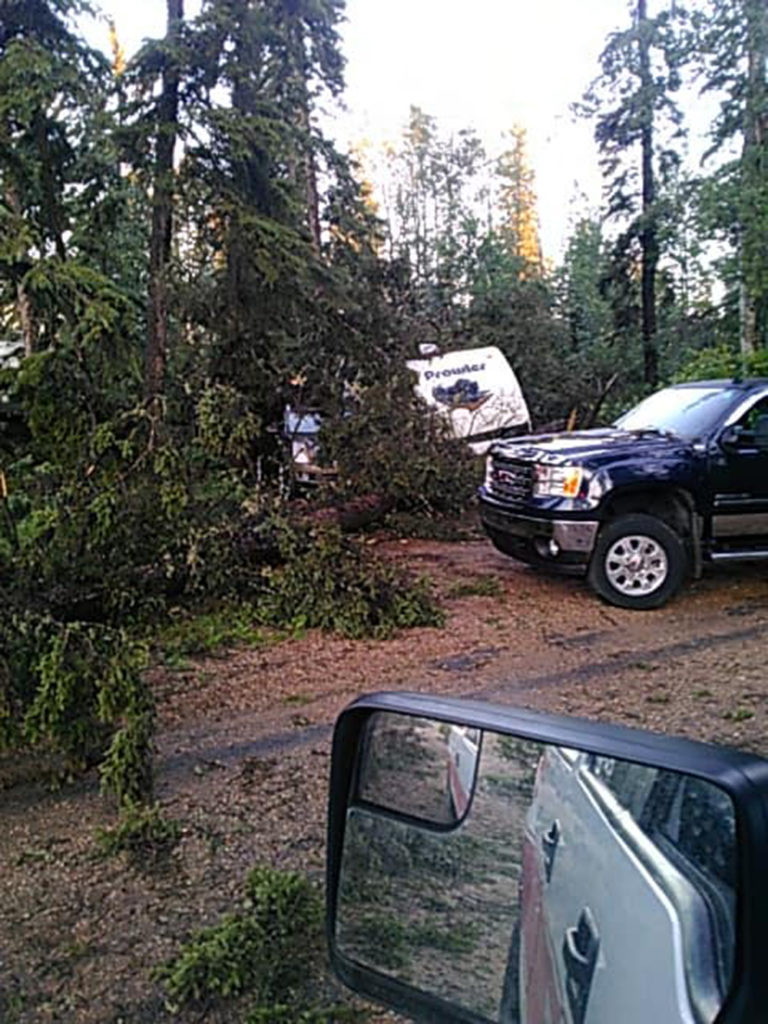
<point>593,447</point>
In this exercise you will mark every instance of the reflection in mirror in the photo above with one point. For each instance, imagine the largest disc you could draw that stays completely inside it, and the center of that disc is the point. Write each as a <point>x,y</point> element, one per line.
<point>419,767</point>
<point>543,885</point>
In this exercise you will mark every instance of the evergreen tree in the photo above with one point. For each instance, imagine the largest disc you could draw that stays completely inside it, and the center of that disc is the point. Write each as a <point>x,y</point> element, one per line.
<point>163,189</point>
<point>733,39</point>
<point>517,201</point>
<point>51,91</point>
<point>637,128</point>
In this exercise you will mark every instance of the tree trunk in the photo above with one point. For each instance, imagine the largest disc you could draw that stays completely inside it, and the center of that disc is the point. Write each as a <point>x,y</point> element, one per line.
<point>753,248</point>
<point>649,242</point>
<point>313,198</point>
<point>23,304</point>
<point>53,215</point>
<point>162,211</point>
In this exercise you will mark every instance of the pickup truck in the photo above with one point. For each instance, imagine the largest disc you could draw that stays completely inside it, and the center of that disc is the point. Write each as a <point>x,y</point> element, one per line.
<point>680,480</point>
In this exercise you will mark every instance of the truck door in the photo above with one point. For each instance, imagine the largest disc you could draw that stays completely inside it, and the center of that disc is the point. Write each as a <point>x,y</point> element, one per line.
<point>739,481</point>
<point>605,920</point>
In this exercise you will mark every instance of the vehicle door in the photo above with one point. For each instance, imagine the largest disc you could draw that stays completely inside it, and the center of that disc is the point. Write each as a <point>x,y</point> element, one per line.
<point>739,478</point>
<point>596,917</point>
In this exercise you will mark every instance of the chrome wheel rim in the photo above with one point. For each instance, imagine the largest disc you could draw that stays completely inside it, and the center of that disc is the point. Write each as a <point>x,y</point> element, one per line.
<point>636,565</point>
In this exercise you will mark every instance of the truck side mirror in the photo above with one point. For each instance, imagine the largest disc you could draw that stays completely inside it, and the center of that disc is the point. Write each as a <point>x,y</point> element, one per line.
<point>731,436</point>
<point>495,866</point>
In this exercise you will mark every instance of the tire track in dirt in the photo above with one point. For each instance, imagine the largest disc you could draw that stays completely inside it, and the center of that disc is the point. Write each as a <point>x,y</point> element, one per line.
<point>222,755</point>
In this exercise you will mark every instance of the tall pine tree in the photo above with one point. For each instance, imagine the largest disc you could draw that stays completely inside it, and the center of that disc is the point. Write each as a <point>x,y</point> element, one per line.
<point>637,128</point>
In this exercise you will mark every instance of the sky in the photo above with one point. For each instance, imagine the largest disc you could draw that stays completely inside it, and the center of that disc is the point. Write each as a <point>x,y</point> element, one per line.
<point>482,64</point>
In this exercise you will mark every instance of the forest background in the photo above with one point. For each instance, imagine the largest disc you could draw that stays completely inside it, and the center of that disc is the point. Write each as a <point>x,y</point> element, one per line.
<point>183,252</point>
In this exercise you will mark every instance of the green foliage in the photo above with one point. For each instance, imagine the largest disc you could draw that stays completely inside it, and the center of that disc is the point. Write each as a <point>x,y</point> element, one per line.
<point>331,583</point>
<point>143,833</point>
<point>227,426</point>
<point>392,446</point>
<point>269,949</point>
<point>204,632</point>
<point>78,690</point>
<point>723,362</point>
<point>732,50</point>
<point>282,281</point>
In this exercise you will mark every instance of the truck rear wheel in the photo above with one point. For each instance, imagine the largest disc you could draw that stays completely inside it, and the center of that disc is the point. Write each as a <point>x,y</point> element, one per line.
<point>638,562</point>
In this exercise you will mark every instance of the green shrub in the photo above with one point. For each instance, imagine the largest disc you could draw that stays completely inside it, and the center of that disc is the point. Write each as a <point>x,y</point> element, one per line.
<point>330,582</point>
<point>142,832</point>
<point>270,948</point>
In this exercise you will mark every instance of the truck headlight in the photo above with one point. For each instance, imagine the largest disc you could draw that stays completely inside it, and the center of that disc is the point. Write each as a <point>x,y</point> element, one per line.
<point>558,481</point>
<point>488,472</point>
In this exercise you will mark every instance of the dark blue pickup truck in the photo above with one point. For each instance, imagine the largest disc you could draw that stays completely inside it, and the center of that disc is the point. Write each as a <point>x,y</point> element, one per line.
<point>679,480</point>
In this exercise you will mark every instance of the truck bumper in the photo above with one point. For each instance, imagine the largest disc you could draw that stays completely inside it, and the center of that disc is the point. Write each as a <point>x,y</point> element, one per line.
<point>567,543</point>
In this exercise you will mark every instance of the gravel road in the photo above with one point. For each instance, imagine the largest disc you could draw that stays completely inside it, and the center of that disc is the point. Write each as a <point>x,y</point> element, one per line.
<point>243,752</point>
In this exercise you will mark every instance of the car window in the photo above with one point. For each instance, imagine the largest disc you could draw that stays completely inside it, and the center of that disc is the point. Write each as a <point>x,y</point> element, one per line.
<point>694,816</point>
<point>689,412</point>
<point>630,783</point>
<point>700,823</point>
<point>748,421</point>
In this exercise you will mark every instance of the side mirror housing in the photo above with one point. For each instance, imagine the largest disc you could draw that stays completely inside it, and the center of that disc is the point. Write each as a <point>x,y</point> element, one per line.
<point>755,436</point>
<point>731,436</point>
<point>493,866</point>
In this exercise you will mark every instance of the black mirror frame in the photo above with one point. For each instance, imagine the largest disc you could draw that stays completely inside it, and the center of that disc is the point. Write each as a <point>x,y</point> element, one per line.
<point>743,776</point>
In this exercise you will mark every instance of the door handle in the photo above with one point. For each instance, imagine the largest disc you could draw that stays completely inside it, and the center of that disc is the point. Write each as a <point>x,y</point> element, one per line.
<point>581,946</point>
<point>549,844</point>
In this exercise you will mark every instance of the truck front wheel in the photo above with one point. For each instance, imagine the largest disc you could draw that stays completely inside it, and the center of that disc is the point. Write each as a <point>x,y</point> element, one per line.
<point>638,562</point>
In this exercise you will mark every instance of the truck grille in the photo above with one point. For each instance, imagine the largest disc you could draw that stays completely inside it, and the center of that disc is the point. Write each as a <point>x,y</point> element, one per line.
<point>511,481</point>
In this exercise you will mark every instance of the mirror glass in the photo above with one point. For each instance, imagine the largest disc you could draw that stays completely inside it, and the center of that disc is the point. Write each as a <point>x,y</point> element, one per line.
<point>419,767</point>
<point>529,883</point>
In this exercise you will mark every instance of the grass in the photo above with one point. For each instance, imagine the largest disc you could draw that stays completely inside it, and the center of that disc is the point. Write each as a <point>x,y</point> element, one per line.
<point>476,586</point>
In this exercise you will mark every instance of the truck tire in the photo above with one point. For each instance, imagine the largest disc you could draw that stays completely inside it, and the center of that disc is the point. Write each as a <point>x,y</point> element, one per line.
<point>509,1009</point>
<point>639,562</point>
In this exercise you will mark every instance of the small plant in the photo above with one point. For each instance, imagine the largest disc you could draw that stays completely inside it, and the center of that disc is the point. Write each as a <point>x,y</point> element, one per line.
<point>269,948</point>
<point>142,832</point>
<point>739,715</point>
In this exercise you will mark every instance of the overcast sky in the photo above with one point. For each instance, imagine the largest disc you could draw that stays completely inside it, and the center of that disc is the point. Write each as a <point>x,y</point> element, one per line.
<point>484,64</point>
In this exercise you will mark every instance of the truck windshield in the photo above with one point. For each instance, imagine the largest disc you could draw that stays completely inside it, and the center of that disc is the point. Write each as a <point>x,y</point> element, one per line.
<point>689,413</point>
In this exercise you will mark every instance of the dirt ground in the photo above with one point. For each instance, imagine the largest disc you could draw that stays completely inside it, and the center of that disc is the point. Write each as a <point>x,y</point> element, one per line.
<point>243,758</point>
